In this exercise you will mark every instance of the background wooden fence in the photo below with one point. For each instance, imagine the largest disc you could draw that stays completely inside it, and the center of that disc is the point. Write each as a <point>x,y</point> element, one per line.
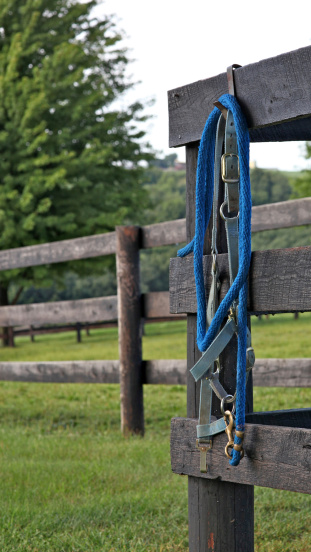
<point>130,308</point>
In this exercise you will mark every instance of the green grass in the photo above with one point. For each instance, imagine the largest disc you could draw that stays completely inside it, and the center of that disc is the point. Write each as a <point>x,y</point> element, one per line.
<point>70,483</point>
<point>278,337</point>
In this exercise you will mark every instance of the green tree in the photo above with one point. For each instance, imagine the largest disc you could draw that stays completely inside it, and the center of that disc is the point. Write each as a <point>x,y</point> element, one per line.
<point>70,160</point>
<point>269,186</point>
<point>302,184</point>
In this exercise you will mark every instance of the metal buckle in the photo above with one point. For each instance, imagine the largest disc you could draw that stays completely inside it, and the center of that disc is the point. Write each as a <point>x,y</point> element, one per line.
<point>203,447</point>
<point>230,168</point>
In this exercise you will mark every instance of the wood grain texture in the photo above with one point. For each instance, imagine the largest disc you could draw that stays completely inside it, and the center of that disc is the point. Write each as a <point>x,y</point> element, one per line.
<point>58,252</point>
<point>164,233</point>
<point>213,504</point>
<point>164,372</point>
<point>277,457</point>
<point>285,214</point>
<point>282,372</point>
<point>272,92</point>
<point>84,371</point>
<point>264,217</point>
<point>279,281</point>
<point>266,373</point>
<point>167,372</point>
<point>97,309</point>
<point>156,304</point>
<point>130,330</point>
<point>60,312</point>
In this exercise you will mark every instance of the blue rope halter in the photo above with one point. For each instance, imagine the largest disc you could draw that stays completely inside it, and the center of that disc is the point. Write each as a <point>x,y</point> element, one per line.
<point>239,288</point>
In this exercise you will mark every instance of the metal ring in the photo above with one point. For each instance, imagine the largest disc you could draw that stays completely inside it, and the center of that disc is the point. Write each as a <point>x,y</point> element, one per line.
<point>227,399</point>
<point>222,212</point>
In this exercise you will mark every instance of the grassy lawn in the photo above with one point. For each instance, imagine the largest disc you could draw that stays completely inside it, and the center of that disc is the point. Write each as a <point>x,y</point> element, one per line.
<point>70,482</point>
<point>278,337</point>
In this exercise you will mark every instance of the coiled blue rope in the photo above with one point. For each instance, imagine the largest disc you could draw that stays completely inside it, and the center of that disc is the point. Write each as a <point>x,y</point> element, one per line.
<point>239,288</point>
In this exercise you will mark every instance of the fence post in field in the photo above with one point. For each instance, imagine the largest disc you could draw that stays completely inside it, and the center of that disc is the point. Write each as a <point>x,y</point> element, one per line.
<point>220,496</point>
<point>78,328</point>
<point>129,324</point>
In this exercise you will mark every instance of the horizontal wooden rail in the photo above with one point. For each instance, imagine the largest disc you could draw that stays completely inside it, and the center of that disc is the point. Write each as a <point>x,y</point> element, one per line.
<point>277,99</point>
<point>61,312</point>
<point>169,372</point>
<point>270,372</point>
<point>164,233</point>
<point>276,457</point>
<point>97,309</point>
<point>58,252</point>
<point>279,281</point>
<point>285,214</point>
<point>282,372</point>
<point>80,371</point>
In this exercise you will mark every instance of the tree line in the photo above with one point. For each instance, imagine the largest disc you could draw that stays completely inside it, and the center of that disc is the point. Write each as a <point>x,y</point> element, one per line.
<point>75,163</point>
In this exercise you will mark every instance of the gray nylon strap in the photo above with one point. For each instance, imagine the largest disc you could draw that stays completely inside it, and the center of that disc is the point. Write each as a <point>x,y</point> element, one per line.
<point>205,402</point>
<point>232,232</point>
<point>221,126</point>
<point>231,162</point>
<point>213,295</point>
<point>208,430</point>
<point>203,366</point>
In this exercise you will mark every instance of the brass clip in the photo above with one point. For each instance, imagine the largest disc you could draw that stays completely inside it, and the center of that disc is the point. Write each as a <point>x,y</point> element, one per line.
<point>229,431</point>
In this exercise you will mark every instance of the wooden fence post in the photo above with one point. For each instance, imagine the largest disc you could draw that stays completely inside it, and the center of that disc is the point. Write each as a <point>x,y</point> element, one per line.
<point>129,324</point>
<point>220,514</point>
<point>78,328</point>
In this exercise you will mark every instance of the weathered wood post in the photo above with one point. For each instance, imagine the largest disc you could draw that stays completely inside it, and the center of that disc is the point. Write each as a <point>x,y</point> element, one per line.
<point>129,324</point>
<point>221,499</point>
<point>221,514</point>
<point>78,329</point>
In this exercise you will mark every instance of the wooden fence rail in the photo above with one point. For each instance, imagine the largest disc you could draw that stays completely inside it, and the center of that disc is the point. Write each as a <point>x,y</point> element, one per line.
<point>266,295</point>
<point>268,372</point>
<point>286,214</point>
<point>98,309</point>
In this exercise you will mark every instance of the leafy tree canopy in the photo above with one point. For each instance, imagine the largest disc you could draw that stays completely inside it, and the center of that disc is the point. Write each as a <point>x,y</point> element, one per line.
<point>302,184</point>
<point>70,160</point>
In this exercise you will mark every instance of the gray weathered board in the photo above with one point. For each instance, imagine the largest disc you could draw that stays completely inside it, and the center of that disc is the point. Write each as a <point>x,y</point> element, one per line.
<point>272,91</point>
<point>169,372</point>
<point>264,217</point>
<point>276,457</point>
<point>284,214</point>
<point>60,312</point>
<point>282,372</point>
<point>268,372</point>
<point>154,305</point>
<point>279,281</point>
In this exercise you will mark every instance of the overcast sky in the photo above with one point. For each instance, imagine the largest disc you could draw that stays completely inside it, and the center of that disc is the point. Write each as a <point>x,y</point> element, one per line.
<point>175,43</point>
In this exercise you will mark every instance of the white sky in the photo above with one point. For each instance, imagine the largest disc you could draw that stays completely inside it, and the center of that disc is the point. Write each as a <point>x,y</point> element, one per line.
<point>175,43</point>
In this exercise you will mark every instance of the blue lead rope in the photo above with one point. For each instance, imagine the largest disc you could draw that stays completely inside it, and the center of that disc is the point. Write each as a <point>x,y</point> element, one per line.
<point>239,288</point>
